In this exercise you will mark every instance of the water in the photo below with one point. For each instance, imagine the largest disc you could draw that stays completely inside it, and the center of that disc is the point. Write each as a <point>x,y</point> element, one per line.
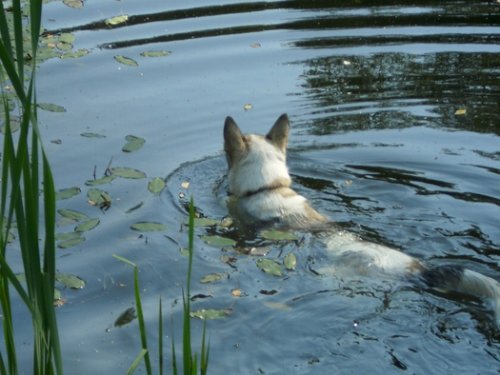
<point>395,125</point>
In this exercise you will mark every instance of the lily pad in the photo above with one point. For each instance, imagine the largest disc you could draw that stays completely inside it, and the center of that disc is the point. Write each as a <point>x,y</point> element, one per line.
<point>70,281</point>
<point>278,235</point>
<point>270,266</point>
<point>51,107</point>
<point>205,222</point>
<point>97,197</point>
<point>66,244</point>
<point>155,53</point>
<point>87,225</point>
<point>67,193</point>
<point>207,314</point>
<point>211,278</point>
<point>67,38</point>
<point>125,317</point>
<point>72,214</point>
<point>77,4</point>
<point>218,241</point>
<point>113,21</point>
<point>92,135</point>
<point>75,54</point>
<point>148,226</point>
<point>156,185</point>
<point>64,236</point>
<point>128,172</point>
<point>133,143</point>
<point>126,60</point>
<point>290,261</point>
<point>100,181</point>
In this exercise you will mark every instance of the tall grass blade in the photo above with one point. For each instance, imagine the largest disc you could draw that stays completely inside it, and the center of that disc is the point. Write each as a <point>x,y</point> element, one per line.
<point>160,338</point>
<point>136,362</point>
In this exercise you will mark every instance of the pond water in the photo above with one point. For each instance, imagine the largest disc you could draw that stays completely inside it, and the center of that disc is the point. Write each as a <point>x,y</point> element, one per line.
<point>395,125</point>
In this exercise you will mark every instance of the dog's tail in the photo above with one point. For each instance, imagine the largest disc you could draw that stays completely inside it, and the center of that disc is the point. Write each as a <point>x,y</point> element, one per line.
<point>452,278</point>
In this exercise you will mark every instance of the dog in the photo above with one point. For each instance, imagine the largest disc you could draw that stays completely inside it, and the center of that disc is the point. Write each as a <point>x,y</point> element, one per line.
<point>260,195</point>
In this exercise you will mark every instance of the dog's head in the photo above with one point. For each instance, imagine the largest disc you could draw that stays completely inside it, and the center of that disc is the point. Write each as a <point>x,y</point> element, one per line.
<point>256,162</point>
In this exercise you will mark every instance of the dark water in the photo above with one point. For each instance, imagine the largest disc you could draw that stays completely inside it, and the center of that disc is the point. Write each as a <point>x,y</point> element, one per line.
<point>395,126</point>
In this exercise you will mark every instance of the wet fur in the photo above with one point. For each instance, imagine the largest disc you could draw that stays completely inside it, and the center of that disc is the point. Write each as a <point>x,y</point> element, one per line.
<point>261,194</point>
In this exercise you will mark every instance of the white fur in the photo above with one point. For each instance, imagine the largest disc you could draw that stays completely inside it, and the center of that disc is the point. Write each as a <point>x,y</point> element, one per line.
<point>261,166</point>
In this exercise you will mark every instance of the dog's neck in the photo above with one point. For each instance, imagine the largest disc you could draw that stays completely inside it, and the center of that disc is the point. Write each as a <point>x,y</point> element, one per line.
<point>275,185</point>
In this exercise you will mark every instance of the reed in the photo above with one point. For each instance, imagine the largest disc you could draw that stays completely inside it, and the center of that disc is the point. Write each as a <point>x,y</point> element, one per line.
<point>25,171</point>
<point>189,359</point>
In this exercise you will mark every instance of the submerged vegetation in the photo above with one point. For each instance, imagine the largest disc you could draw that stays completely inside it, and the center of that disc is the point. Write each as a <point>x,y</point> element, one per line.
<point>28,211</point>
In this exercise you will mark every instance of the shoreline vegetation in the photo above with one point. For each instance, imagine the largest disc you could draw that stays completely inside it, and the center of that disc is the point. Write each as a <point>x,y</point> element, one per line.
<point>28,214</point>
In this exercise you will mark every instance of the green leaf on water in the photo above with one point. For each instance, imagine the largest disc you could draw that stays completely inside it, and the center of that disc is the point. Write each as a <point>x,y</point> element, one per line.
<point>75,54</point>
<point>87,225</point>
<point>211,278</point>
<point>66,244</point>
<point>70,281</point>
<point>155,53</point>
<point>77,4</point>
<point>128,172</point>
<point>290,261</point>
<point>125,317</point>
<point>67,193</point>
<point>51,107</point>
<point>156,185</point>
<point>113,21</point>
<point>72,214</point>
<point>97,197</point>
<point>278,235</point>
<point>205,222</point>
<point>207,314</point>
<point>92,135</point>
<point>67,38</point>
<point>100,181</point>
<point>218,241</point>
<point>133,143</point>
<point>148,226</point>
<point>269,266</point>
<point>64,236</point>
<point>125,60</point>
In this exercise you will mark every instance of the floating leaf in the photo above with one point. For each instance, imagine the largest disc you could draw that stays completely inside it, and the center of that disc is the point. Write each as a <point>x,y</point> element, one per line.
<point>70,281</point>
<point>75,54</point>
<point>205,222</point>
<point>77,4</point>
<point>156,185</point>
<point>185,184</point>
<point>155,53</point>
<point>72,214</point>
<point>277,305</point>
<point>136,207</point>
<point>113,21</point>
<point>278,235</point>
<point>125,317</point>
<point>126,60</point>
<point>148,226</point>
<point>247,107</point>
<point>460,111</point>
<point>51,107</point>
<point>128,172</point>
<point>218,241</point>
<point>211,277</point>
<point>100,181</point>
<point>87,225</point>
<point>207,314</point>
<point>92,135</point>
<point>67,193</point>
<point>67,236</point>
<point>67,38</point>
<point>290,261</point>
<point>98,197</point>
<point>269,266</point>
<point>133,143</point>
<point>66,244</point>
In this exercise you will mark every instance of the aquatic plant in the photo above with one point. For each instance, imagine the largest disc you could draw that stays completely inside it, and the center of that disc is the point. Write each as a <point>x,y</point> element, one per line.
<point>189,359</point>
<point>24,212</point>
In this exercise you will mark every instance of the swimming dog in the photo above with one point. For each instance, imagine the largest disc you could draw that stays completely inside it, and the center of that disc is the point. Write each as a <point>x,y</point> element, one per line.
<point>261,195</point>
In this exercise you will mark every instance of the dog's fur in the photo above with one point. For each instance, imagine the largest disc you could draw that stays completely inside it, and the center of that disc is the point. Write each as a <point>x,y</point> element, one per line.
<point>260,195</point>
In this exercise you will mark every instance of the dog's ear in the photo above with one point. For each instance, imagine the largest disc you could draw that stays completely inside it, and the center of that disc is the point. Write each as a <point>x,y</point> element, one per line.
<point>278,135</point>
<point>233,140</point>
